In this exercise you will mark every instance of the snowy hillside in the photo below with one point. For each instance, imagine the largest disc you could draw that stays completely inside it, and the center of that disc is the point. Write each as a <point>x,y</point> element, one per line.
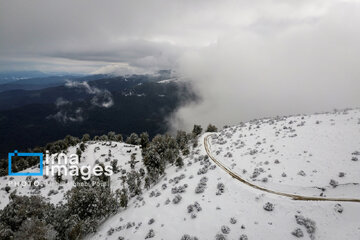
<point>95,152</point>
<point>312,156</point>
<point>203,201</point>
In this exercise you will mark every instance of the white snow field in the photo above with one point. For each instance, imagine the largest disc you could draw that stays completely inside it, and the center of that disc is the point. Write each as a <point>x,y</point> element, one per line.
<point>238,212</point>
<point>104,152</point>
<point>202,201</point>
<point>314,155</point>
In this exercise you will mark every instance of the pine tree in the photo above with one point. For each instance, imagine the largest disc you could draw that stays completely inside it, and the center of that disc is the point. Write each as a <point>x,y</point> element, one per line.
<point>85,138</point>
<point>119,138</point>
<point>133,160</point>
<point>111,136</point>
<point>197,130</point>
<point>179,162</point>
<point>114,165</point>
<point>211,128</point>
<point>133,139</point>
<point>134,182</point>
<point>144,139</point>
<point>124,199</point>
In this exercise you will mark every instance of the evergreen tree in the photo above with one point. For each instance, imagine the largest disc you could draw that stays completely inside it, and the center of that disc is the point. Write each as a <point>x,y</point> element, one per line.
<point>179,162</point>
<point>103,138</point>
<point>118,138</point>
<point>114,165</point>
<point>197,130</point>
<point>144,139</point>
<point>111,136</point>
<point>133,139</point>
<point>133,160</point>
<point>134,182</point>
<point>211,128</point>
<point>85,137</point>
<point>124,199</point>
<point>181,139</point>
<point>147,183</point>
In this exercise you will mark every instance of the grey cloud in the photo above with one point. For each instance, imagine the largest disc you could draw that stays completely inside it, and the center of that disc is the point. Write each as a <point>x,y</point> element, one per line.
<point>66,116</point>
<point>102,97</point>
<point>61,102</point>
<point>302,68</point>
<point>247,59</point>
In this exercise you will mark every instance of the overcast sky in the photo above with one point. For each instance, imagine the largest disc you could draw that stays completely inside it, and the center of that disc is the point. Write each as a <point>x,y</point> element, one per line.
<point>246,58</point>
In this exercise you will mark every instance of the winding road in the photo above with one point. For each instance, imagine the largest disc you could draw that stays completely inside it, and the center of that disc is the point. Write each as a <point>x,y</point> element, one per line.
<point>289,195</point>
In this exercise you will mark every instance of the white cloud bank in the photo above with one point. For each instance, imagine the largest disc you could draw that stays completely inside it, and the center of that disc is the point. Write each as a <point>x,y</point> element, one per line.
<point>285,64</point>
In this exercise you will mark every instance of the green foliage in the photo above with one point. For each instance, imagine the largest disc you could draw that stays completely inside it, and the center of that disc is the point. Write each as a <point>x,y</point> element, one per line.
<point>85,137</point>
<point>197,130</point>
<point>134,183</point>
<point>211,128</point>
<point>181,139</point>
<point>124,199</point>
<point>111,136</point>
<point>144,140</point>
<point>162,150</point>
<point>114,165</point>
<point>133,161</point>
<point>118,138</point>
<point>15,217</point>
<point>179,162</point>
<point>133,139</point>
<point>103,138</point>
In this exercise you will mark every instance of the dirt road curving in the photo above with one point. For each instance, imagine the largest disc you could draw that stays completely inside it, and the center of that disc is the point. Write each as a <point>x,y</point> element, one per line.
<point>289,195</point>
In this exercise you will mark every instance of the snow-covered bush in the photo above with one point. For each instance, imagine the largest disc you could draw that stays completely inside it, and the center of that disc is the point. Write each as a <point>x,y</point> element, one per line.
<point>177,199</point>
<point>307,223</point>
<point>225,229</point>
<point>220,188</point>
<point>268,207</point>
<point>151,221</point>
<point>150,234</point>
<point>301,173</point>
<point>220,236</point>
<point>243,237</point>
<point>338,208</point>
<point>333,183</point>
<point>188,237</point>
<point>298,233</point>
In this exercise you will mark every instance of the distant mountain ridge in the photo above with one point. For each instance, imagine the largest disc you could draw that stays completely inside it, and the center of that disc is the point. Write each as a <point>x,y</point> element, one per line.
<point>136,103</point>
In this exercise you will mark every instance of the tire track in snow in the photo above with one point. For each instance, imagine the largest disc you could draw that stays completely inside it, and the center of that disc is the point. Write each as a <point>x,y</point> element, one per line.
<point>288,195</point>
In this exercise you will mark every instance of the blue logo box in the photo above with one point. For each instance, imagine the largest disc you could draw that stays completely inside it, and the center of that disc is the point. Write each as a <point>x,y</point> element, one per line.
<point>16,153</point>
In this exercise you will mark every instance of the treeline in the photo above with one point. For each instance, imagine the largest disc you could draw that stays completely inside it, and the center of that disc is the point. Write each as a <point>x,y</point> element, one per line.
<point>87,205</point>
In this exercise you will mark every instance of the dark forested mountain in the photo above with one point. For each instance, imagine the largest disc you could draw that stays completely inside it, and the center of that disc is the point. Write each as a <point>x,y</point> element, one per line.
<point>42,82</point>
<point>121,104</point>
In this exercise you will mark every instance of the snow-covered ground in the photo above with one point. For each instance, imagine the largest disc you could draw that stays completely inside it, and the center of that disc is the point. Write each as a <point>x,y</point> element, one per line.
<point>315,155</point>
<point>103,152</point>
<point>204,201</point>
<point>237,201</point>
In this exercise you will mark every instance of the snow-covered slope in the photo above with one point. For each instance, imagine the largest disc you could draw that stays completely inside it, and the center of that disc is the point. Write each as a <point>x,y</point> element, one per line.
<point>314,155</point>
<point>202,201</point>
<point>102,152</point>
<point>320,145</point>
